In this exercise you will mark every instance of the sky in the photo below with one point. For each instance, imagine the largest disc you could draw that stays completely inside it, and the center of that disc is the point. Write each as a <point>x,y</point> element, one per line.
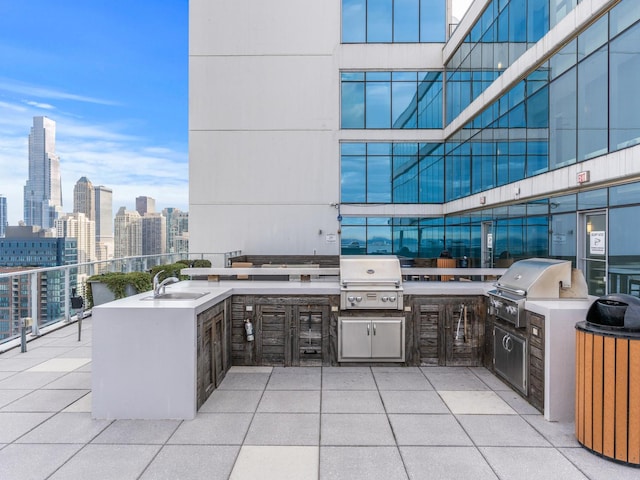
<point>459,8</point>
<point>113,75</point>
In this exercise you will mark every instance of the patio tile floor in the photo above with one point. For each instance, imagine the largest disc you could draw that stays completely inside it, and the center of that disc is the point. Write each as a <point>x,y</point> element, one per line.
<point>284,423</point>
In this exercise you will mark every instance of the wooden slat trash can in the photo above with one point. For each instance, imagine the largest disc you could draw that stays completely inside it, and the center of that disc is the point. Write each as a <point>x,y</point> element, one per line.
<point>608,379</point>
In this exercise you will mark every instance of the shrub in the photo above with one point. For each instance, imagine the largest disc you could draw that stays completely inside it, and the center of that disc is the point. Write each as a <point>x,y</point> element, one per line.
<point>117,282</point>
<point>201,264</point>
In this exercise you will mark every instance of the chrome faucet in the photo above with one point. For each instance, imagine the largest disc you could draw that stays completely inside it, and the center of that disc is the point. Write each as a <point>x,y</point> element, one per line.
<point>159,286</point>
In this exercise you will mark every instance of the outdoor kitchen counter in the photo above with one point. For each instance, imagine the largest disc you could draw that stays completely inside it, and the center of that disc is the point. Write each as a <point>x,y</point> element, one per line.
<point>145,350</point>
<point>219,291</point>
<point>560,318</point>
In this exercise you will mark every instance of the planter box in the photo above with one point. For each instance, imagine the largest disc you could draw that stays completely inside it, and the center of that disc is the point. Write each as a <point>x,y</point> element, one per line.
<point>102,294</point>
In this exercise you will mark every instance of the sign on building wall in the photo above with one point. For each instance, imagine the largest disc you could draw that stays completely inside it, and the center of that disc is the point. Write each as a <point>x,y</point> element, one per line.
<point>597,243</point>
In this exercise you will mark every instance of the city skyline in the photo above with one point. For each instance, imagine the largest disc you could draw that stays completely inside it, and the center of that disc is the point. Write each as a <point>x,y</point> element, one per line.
<point>115,83</point>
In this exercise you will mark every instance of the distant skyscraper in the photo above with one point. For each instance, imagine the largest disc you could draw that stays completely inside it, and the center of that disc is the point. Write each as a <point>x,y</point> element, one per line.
<point>43,191</point>
<point>145,205</point>
<point>177,224</point>
<point>3,215</point>
<point>83,198</point>
<point>127,234</point>
<point>153,234</point>
<point>104,222</point>
<point>78,226</point>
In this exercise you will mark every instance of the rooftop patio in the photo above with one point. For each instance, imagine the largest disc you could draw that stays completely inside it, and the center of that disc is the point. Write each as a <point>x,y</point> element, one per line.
<point>280,423</point>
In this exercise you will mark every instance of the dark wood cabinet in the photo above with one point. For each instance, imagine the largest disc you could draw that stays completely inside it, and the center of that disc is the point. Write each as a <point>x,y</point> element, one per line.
<point>289,331</point>
<point>535,334</point>
<point>446,331</point>
<point>212,351</point>
<point>303,330</point>
<point>271,328</point>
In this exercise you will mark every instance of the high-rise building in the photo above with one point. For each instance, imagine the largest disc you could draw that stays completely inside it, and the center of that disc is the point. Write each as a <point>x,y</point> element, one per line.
<point>153,234</point>
<point>515,135</point>
<point>3,215</point>
<point>14,300</point>
<point>177,225</point>
<point>181,243</point>
<point>127,233</point>
<point>28,246</point>
<point>78,226</point>
<point>104,222</point>
<point>84,198</point>
<point>43,190</point>
<point>145,205</point>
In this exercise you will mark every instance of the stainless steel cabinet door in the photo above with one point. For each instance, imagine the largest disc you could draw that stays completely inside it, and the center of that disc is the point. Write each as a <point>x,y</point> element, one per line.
<point>387,338</point>
<point>355,339</point>
<point>510,355</point>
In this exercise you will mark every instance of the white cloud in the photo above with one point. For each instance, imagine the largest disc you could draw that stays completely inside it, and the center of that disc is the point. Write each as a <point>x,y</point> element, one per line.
<point>126,163</point>
<point>45,106</point>
<point>459,8</point>
<point>13,86</point>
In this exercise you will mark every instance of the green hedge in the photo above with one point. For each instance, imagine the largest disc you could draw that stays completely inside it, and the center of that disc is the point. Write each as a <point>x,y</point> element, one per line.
<point>117,282</point>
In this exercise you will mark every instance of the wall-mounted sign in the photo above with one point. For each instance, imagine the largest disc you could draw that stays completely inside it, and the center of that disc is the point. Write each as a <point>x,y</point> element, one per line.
<point>559,238</point>
<point>489,240</point>
<point>583,177</point>
<point>331,238</point>
<point>597,243</point>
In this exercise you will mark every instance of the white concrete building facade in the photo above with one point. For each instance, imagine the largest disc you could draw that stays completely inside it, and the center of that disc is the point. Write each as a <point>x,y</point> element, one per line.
<point>519,139</point>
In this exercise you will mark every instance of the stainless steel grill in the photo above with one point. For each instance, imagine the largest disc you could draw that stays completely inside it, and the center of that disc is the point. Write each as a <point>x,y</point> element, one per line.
<point>534,278</point>
<point>370,282</point>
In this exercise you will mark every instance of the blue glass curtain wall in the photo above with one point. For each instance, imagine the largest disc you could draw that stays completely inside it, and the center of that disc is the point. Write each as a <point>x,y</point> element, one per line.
<point>580,104</point>
<point>503,32</point>
<point>391,100</point>
<point>540,228</point>
<point>392,173</point>
<point>393,21</point>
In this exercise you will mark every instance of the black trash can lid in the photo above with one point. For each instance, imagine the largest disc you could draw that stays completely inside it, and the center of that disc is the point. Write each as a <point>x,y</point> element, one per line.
<point>617,311</point>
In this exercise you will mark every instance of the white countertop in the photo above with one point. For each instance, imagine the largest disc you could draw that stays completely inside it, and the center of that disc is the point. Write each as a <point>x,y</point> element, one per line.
<point>219,291</point>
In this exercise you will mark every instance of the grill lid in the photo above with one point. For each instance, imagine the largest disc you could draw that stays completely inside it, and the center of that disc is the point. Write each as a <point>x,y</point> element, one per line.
<point>370,270</point>
<point>537,278</point>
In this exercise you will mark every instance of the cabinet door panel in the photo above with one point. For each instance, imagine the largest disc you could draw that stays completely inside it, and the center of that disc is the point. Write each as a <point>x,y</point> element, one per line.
<point>355,339</point>
<point>272,332</point>
<point>307,344</point>
<point>387,339</point>
<point>218,348</point>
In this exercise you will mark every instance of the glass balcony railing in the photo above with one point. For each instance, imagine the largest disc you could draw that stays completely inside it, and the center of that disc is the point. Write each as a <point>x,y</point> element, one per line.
<point>44,294</point>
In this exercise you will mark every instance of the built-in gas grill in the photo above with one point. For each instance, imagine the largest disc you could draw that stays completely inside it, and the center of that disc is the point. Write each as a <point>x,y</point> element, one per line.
<point>370,282</point>
<point>533,279</point>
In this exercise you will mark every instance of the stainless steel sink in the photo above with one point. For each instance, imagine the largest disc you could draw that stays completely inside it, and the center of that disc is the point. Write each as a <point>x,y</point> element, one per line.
<point>177,296</point>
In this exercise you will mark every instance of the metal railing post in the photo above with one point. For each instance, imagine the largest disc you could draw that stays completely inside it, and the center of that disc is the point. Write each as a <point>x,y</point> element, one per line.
<point>24,324</point>
<point>35,290</point>
<point>67,293</point>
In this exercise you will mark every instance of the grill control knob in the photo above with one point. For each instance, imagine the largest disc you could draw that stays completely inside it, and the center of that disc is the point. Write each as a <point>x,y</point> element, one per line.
<point>384,298</point>
<point>392,298</point>
<point>496,303</point>
<point>512,310</point>
<point>358,299</point>
<point>351,298</point>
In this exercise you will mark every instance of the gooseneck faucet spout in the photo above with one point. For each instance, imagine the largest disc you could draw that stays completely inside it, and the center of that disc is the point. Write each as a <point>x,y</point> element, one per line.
<point>159,286</point>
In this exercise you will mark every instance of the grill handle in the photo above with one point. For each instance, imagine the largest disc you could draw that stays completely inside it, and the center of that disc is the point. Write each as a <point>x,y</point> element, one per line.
<point>515,291</point>
<point>376,284</point>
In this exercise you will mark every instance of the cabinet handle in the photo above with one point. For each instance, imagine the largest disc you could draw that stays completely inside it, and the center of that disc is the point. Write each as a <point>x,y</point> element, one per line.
<point>509,344</point>
<point>374,328</point>
<point>368,329</point>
